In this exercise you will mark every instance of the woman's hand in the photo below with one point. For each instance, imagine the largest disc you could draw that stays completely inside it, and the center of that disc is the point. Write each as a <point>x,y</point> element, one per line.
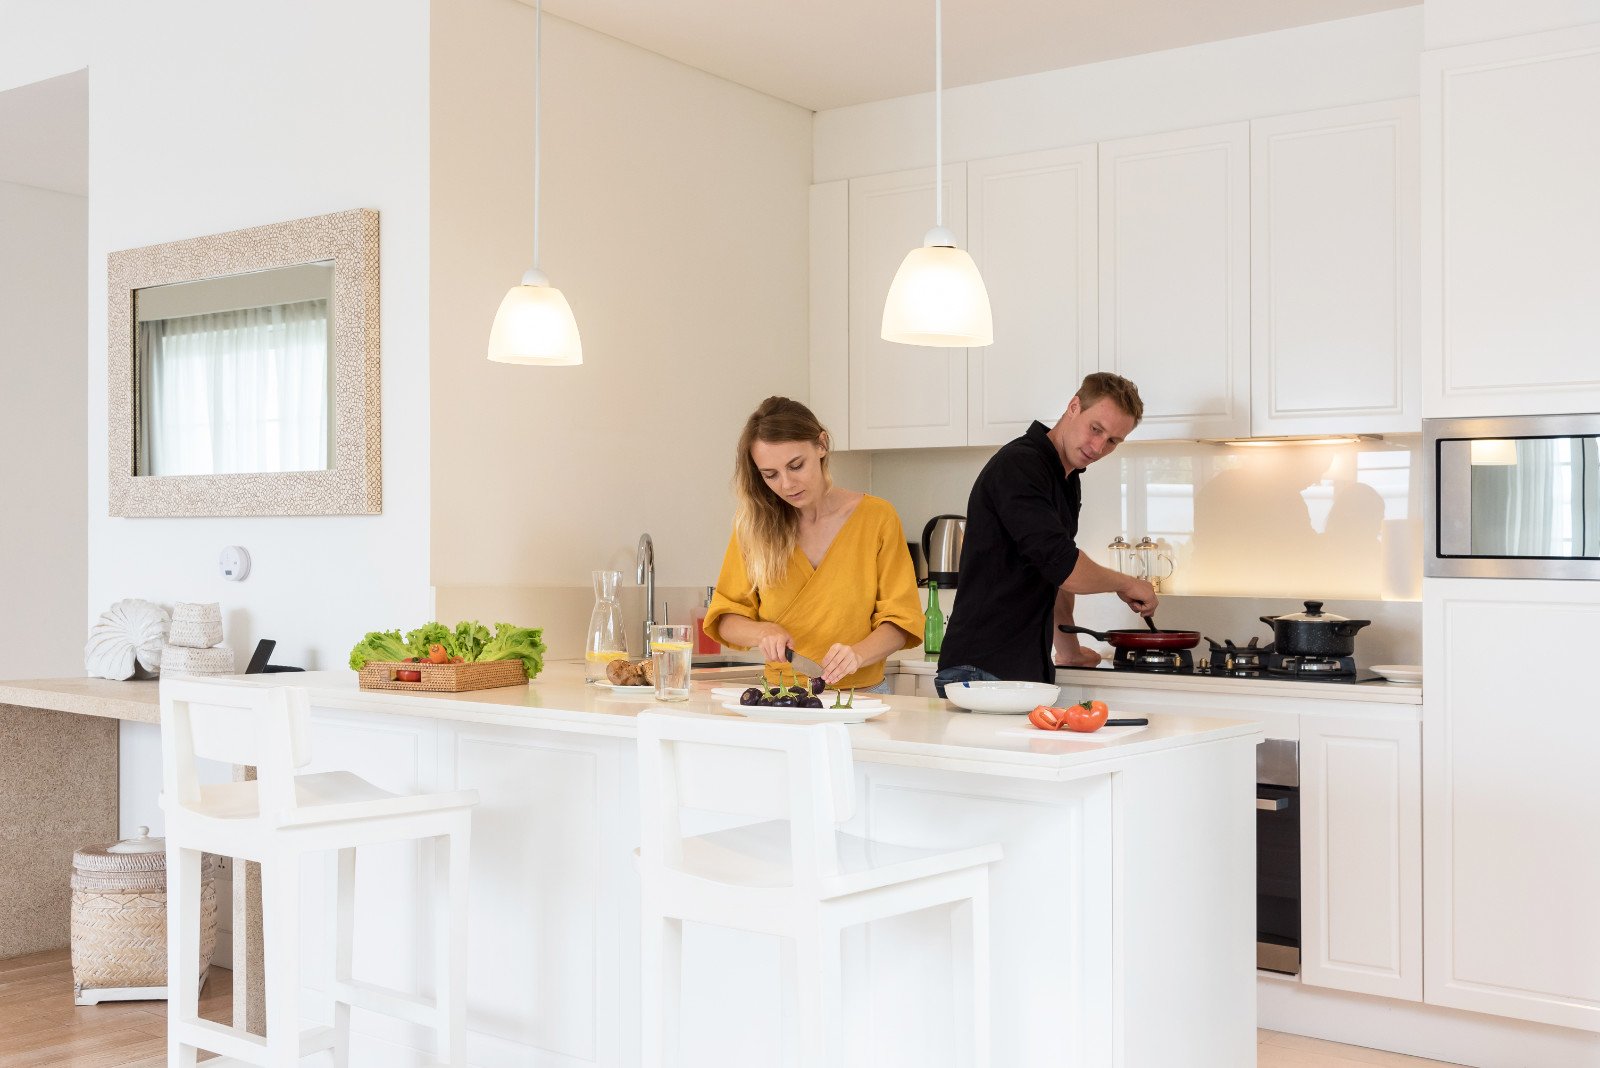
<point>774,643</point>
<point>842,660</point>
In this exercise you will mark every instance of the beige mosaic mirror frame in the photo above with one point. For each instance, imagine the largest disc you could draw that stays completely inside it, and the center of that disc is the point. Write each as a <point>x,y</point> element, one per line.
<point>354,483</point>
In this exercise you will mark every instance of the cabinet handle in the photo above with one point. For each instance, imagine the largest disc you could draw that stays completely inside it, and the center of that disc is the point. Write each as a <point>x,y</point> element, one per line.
<point>1272,804</point>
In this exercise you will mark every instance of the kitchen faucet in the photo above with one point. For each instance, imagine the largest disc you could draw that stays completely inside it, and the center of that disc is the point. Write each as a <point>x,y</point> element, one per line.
<point>645,562</point>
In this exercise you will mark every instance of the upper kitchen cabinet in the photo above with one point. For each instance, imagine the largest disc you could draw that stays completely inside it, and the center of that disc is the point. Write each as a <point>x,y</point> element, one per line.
<point>1511,222</point>
<point>1333,271</point>
<point>1032,223</point>
<point>901,396</point>
<point>1174,277</point>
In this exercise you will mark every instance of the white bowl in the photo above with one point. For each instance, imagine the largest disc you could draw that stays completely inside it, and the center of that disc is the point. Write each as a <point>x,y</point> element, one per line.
<point>1003,697</point>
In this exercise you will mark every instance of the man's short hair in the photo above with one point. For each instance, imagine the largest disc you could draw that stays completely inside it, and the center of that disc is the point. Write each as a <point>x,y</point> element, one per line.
<point>1123,393</point>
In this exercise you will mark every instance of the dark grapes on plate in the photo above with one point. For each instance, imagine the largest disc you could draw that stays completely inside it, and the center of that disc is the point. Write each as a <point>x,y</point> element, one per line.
<point>784,702</point>
<point>810,702</point>
<point>751,696</point>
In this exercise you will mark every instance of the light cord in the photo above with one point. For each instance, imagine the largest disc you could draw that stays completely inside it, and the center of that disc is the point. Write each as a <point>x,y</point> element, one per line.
<point>538,65</point>
<point>938,113</point>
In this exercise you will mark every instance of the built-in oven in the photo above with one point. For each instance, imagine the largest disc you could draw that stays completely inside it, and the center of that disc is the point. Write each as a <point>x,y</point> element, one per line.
<point>1514,497</point>
<point>1278,856</point>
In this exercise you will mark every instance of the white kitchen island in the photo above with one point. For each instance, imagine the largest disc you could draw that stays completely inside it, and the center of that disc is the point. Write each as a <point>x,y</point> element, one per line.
<point>1123,910</point>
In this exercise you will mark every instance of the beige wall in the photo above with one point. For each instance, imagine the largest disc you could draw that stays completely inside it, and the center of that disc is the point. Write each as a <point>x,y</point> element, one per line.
<point>674,215</point>
<point>43,545</point>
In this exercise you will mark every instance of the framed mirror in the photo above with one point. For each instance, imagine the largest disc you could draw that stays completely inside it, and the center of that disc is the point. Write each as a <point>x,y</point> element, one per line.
<point>244,370</point>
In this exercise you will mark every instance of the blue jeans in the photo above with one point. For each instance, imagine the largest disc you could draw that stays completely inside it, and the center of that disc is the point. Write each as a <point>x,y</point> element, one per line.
<point>961,673</point>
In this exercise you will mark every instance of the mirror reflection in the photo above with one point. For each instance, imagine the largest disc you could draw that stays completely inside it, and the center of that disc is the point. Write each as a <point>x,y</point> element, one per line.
<point>234,375</point>
<point>1534,497</point>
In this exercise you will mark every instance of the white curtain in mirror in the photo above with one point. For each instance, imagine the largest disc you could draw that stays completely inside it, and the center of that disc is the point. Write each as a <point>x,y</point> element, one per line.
<point>235,391</point>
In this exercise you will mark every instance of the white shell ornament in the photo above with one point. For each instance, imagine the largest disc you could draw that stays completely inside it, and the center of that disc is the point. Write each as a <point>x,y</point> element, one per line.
<point>128,637</point>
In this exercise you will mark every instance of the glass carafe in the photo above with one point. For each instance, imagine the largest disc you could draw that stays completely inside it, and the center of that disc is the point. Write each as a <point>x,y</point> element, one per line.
<point>605,642</point>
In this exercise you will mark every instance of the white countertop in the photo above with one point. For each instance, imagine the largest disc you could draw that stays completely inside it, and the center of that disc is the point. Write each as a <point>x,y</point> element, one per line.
<point>915,731</point>
<point>1106,677</point>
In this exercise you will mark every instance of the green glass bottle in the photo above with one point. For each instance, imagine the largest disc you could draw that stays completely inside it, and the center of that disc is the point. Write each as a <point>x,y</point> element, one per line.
<point>932,622</point>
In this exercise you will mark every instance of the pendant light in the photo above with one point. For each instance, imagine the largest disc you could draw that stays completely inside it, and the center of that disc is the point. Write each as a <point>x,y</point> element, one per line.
<point>937,296</point>
<point>534,325</point>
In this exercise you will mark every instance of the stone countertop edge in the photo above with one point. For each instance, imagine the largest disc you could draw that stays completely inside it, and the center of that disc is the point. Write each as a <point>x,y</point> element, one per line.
<point>916,731</point>
<point>137,700</point>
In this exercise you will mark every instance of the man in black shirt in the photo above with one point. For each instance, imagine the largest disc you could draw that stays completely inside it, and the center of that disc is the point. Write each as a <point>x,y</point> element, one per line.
<point>1021,567</point>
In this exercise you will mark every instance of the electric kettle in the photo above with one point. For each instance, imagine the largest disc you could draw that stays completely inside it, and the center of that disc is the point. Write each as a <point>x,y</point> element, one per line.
<point>941,548</point>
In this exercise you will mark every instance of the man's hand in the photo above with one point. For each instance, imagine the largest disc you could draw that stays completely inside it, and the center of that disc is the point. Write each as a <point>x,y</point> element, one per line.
<point>1075,655</point>
<point>1139,595</point>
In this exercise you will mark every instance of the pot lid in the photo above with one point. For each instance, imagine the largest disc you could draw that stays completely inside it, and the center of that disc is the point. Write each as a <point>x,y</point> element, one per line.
<point>139,843</point>
<point>1312,614</point>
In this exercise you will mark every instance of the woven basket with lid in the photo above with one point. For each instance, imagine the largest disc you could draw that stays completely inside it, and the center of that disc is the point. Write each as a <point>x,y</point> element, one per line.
<point>119,914</point>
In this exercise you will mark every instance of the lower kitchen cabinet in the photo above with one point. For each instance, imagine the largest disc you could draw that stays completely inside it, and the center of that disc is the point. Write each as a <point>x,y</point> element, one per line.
<point>1361,854</point>
<point>1512,856</point>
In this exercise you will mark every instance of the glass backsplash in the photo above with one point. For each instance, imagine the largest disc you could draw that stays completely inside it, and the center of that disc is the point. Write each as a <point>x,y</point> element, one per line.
<point>1280,520</point>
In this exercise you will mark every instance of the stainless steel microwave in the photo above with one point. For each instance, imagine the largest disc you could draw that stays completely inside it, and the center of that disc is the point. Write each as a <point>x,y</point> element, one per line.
<point>1513,497</point>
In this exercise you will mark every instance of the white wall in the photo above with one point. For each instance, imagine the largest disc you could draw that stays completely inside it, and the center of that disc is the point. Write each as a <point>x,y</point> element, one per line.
<point>253,120</point>
<point>674,214</point>
<point>42,39</point>
<point>263,122</point>
<point>43,546</point>
<point>1352,61</point>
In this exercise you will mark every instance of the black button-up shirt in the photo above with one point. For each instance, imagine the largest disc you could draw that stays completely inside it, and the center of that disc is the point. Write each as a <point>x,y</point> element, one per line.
<point>1020,546</point>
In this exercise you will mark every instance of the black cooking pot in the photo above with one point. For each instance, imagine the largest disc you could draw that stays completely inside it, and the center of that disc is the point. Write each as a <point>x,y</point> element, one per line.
<point>1314,632</point>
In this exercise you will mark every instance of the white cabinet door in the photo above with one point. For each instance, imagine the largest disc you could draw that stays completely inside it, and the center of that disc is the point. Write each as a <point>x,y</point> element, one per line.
<point>1174,277</point>
<point>1361,854</point>
<point>830,308</point>
<point>1032,221</point>
<point>1512,857</point>
<point>901,396</point>
<point>1333,271</point>
<point>1511,221</point>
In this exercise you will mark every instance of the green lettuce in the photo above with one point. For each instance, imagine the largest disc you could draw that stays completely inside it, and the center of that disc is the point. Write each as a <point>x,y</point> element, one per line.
<point>380,645</point>
<point>432,633</point>
<point>516,643</point>
<point>471,637</point>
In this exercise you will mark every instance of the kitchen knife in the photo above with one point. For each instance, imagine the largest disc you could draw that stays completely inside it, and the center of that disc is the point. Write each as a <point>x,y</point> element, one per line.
<point>1140,722</point>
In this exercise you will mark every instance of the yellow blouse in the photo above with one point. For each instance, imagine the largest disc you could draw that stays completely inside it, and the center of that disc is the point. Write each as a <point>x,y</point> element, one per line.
<point>864,579</point>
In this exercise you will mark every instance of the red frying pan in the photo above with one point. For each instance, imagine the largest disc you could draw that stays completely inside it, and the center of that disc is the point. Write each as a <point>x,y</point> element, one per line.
<point>1141,639</point>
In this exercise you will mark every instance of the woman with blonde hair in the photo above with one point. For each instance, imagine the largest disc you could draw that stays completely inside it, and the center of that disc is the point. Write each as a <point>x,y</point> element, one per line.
<point>811,567</point>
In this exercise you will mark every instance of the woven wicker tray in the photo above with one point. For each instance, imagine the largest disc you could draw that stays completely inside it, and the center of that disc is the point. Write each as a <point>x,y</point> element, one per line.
<point>444,678</point>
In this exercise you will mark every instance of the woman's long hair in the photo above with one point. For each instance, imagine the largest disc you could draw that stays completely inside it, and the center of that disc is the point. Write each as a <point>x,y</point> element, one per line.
<point>765,524</point>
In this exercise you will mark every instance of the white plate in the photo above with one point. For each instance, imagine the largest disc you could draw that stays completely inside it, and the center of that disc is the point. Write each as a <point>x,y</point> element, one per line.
<point>630,691</point>
<point>858,714</point>
<point>1407,673</point>
<point>1009,698</point>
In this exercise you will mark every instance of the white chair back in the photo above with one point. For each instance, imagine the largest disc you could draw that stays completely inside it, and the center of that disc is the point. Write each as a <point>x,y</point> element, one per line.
<point>768,771</point>
<point>266,727</point>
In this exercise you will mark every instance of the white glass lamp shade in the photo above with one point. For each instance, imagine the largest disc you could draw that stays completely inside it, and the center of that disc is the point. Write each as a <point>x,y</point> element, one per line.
<point>938,298</point>
<point>534,326</point>
<point>1493,452</point>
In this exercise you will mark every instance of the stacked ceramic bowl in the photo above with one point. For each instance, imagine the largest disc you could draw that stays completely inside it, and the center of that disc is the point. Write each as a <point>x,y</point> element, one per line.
<point>194,642</point>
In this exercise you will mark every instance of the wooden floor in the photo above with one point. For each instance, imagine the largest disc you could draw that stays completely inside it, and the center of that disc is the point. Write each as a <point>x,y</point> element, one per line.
<point>40,1026</point>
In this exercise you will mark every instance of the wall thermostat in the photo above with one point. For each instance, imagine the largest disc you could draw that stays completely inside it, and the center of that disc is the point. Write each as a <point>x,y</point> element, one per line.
<point>235,563</point>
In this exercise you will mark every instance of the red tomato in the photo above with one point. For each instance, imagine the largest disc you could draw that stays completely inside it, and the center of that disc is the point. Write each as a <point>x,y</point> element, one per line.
<point>1086,717</point>
<point>1046,718</point>
<point>408,674</point>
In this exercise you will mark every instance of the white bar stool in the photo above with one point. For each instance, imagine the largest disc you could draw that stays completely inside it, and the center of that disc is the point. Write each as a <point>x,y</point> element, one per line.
<point>275,821</point>
<point>793,875</point>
